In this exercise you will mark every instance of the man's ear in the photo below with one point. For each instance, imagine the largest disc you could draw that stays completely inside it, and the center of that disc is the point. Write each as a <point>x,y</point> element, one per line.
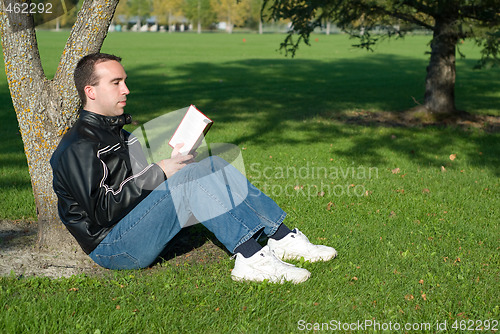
<point>90,92</point>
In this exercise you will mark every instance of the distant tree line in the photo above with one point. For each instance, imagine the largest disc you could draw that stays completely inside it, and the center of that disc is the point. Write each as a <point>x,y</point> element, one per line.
<point>199,15</point>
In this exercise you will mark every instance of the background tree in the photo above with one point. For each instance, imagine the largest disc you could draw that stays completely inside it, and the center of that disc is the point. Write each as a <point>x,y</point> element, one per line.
<point>449,21</point>
<point>254,20</point>
<point>140,9</point>
<point>166,10</point>
<point>200,12</point>
<point>46,108</point>
<point>122,13</point>
<point>231,12</point>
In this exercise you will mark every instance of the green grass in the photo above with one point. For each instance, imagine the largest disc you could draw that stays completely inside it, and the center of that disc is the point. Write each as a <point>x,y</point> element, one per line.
<point>416,245</point>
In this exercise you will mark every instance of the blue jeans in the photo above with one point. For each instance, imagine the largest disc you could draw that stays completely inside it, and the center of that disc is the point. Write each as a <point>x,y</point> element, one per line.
<point>213,192</point>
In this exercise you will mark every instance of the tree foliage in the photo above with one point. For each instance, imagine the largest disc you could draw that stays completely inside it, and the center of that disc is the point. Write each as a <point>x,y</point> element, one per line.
<point>477,19</point>
<point>232,12</point>
<point>200,13</point>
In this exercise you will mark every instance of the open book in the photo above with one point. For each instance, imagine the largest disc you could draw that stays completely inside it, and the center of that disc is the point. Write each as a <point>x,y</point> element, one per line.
<point>191,131</point>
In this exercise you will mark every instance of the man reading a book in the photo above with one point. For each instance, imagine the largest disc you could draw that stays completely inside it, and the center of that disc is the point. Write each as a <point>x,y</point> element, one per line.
<point>123,211</point>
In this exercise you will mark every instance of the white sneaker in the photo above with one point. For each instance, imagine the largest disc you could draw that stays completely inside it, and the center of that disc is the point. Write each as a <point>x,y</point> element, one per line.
<point>296,245</point>
<point>263,265</point>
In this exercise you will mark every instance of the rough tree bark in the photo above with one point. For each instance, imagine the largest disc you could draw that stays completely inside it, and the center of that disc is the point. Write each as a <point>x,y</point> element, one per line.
<point>440,81</point>
<point>46,108</point>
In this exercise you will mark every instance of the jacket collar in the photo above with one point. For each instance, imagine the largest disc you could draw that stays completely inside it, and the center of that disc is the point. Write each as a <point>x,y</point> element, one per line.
<point>105,121</point>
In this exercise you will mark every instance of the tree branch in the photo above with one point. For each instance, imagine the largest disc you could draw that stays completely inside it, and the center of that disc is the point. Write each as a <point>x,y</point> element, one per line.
<point>87,35</point>
<point>406,17</point>
<point>20,50</point>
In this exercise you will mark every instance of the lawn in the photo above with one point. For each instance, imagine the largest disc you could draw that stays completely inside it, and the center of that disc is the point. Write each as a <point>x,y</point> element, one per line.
<point>413,212</point>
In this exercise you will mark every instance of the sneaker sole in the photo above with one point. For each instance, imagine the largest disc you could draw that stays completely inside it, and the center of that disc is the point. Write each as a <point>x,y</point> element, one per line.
<point>312,259</point>
<point>280,281</point>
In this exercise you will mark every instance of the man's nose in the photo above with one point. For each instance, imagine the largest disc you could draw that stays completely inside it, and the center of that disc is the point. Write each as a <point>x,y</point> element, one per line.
<point>125,90</point>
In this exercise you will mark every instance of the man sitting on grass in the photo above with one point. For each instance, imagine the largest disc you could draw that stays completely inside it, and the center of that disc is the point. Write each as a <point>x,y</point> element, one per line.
<point>124,211</point>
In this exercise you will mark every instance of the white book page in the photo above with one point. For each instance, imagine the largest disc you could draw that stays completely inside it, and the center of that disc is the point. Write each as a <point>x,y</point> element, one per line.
<point>190,129</point>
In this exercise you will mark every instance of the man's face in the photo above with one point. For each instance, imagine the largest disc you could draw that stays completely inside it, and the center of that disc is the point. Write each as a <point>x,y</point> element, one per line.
<point>109,96</point>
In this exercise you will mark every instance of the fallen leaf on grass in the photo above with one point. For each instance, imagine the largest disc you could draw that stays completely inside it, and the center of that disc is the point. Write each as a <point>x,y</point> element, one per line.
<point>329,206</point>
<point>453,157</point>
<point>425,191</point>
<point>443,169</point>
<point>409,297</point>
<point>424,296</point>
<point>421,281</point>
<point>395,170</point>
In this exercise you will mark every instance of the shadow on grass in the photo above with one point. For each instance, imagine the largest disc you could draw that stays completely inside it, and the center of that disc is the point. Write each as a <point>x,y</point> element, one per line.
<point>11,147</point>
<point>273,97</point>
<point>193,237</point>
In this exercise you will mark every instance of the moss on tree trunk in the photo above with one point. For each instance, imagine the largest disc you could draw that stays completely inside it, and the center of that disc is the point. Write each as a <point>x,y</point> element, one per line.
<point>45,109</point>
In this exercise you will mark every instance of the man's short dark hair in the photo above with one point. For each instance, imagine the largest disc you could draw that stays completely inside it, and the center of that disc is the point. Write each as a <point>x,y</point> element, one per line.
<point>84,72</point>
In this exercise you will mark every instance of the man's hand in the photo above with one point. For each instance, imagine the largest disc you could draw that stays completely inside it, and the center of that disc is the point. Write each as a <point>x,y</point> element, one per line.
<point>176,161</point>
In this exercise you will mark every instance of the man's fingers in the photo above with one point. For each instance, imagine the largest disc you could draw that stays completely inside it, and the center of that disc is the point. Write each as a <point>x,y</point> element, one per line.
<point>183,158</point>
<point>176,162</point>
<point>176,150</point>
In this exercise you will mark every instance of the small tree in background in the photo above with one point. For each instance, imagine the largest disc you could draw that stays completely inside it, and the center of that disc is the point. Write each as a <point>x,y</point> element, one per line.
<point>231,12</point>
<point>449,20</point>
<point>166,10</point>
<point>200,13</point>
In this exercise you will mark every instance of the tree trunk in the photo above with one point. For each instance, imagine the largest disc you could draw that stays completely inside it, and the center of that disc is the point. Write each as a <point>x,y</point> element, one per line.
<point>45,108</point>
<point>440,82</point>
<point>198,16</point>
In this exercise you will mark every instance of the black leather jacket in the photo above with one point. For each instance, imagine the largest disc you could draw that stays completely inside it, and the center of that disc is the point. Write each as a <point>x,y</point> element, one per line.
<point>100,174</point>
